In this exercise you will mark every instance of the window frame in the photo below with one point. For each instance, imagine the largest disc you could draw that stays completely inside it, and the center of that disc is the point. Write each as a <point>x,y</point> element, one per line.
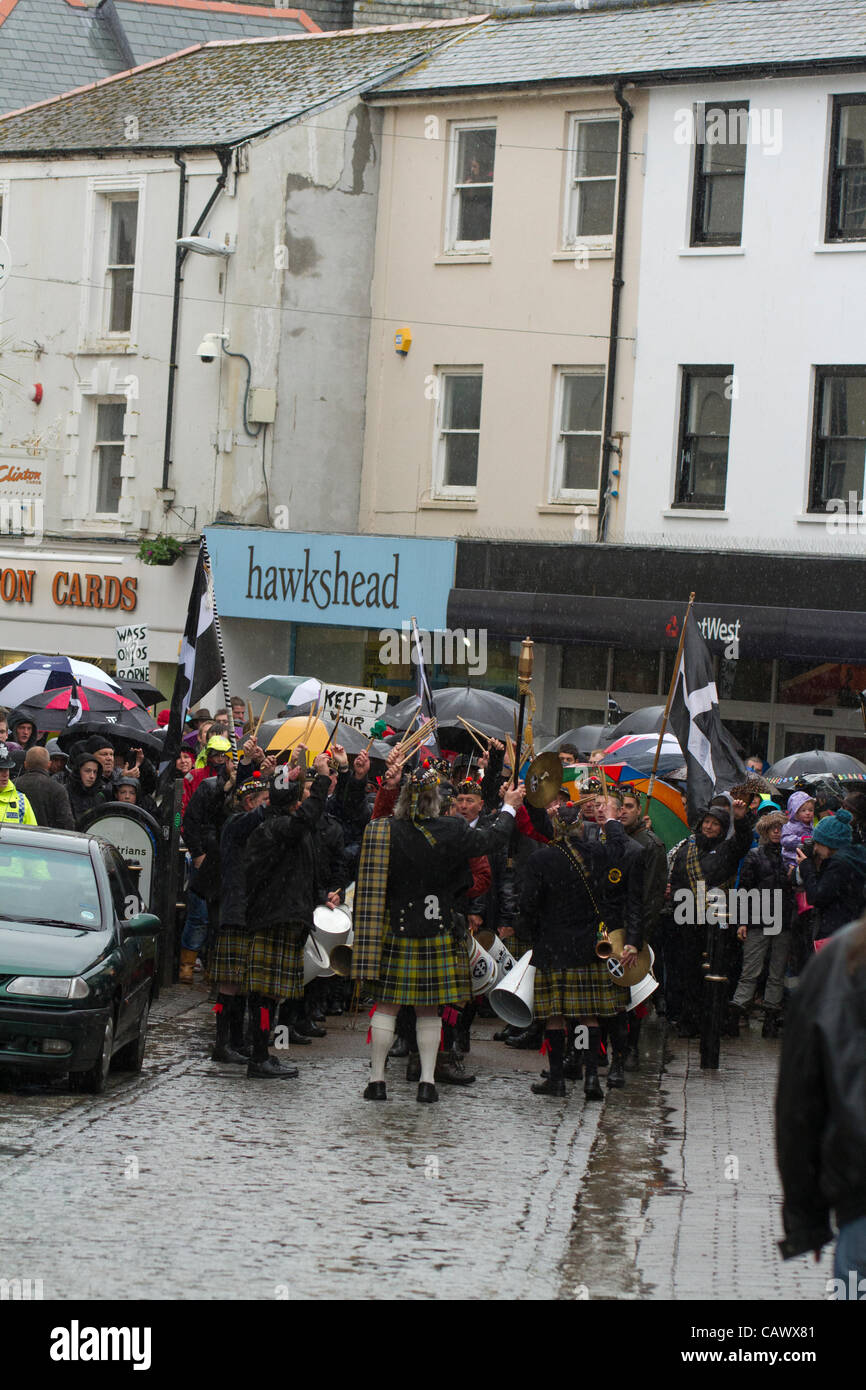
<point>600,241</point>
<point>838,101</point>
<point>688,373</point>
<point>700,178</point>
<point>95,458</point>
<point>113,200</point>
<point>441,489</point>
<point>558,492</point>
<point>820,376</point>
<point>94,333</point>
<point>454,247</point>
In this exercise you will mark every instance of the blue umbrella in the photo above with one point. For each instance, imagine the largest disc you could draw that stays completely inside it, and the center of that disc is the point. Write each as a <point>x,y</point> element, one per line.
<point>25,679</point>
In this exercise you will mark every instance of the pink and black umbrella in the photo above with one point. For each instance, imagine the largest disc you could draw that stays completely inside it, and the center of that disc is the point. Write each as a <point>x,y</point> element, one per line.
<point>80,710</point>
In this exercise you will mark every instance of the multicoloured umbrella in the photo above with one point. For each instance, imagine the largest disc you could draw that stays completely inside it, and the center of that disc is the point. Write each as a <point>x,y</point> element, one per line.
<point>35,674</point>
<point>665,807</point>
<point>640,750</point>
<point>80,710</point>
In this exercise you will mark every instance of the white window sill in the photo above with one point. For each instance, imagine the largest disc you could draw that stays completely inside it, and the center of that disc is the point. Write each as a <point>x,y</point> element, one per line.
<point>827,248</point>
<point>711,251</point>
<point>568,508</point>
<point>106,347</point>
<point>839,519</point>
<point>463,258</point>
<point>460,504</point>
<point>580,253</point>
<point>699,513</point>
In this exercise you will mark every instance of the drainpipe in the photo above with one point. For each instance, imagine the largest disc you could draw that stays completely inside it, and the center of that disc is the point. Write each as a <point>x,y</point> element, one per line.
<point>610,445</point>
<point>224,157</point>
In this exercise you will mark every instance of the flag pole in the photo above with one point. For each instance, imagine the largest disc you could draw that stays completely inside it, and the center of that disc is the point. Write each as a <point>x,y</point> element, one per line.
<point>219,639</point>
<point>670,699</point>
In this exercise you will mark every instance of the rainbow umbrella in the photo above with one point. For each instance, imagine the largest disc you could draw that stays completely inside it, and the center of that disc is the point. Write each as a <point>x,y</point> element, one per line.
<point>665,807</point>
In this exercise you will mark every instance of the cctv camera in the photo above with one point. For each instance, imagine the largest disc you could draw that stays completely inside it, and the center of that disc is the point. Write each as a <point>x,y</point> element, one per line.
<point>208,348</point>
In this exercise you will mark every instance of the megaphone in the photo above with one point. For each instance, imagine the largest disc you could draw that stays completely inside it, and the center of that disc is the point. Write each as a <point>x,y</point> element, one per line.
<point>316,961</point>
<point>482,967</point>
<point>341,956</point>
<point>331,926</point>
<point>512,1000</point>
<point>641,991</point>
<point>496,947</point>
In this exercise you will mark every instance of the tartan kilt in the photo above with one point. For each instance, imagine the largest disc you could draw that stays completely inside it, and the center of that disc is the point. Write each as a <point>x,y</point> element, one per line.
<point>423,971</point>
<point>228,964</point>
<point>275,965</point>
<point>582,992</point>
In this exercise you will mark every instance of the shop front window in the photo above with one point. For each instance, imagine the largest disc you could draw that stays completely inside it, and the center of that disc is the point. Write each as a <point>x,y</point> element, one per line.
<point>584,667</point>
<point>570,718</point>
<point>636,671</point>
<point>832,684</point>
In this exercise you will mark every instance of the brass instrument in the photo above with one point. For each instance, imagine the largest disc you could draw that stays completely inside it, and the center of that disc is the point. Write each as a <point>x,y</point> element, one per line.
<point>603,945</point>
<point>543,780</point>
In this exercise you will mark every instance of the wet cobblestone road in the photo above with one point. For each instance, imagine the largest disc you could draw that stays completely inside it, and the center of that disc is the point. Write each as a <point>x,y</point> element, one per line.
<point>192,1182</point>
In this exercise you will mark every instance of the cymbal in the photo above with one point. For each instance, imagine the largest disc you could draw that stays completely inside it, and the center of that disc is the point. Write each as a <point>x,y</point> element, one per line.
<point>543,780</point>
<point>638,969</point>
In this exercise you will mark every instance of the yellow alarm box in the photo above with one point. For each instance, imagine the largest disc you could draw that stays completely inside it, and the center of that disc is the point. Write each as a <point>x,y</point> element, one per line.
<point>403,340</point>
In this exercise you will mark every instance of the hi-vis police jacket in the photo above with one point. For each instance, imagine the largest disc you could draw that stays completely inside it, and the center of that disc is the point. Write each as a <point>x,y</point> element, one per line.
<point>15,809</point>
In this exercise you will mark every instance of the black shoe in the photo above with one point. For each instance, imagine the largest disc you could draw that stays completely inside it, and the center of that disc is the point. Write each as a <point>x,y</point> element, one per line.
<point>308,1029</point>
<point>548,1088</point>
<point>317,1014</point>
<point>375,1090</point>
<point>616,1075</point>
<point>427,1093</point>
<point>271,1070</point>
<point>461,1042</point>
<point>529,1038</point>
<point>450,1070</point>
<point>335,1008</point>
<point>592,1087</point>
<point>413,1067</point>
<point>224,1053</point>
<point>300,1038</point>
<point>399,1048</point>
<point>632,1060</point>
<point>505,1033</point>
<point>772,1024</point>
<point>572,1066</point>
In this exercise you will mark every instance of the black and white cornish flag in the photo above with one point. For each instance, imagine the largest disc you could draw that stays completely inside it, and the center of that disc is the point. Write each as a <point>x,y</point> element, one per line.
<point>713,762</point>
<point>199,667</point>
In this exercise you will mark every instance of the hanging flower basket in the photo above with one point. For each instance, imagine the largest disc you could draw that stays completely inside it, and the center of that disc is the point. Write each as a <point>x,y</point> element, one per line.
<point>159,550</point>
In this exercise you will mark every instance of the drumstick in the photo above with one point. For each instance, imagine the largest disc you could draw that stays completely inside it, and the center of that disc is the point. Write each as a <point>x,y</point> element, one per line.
<point>471,732</point>
<point>333,731</point>
<point>261,717</point>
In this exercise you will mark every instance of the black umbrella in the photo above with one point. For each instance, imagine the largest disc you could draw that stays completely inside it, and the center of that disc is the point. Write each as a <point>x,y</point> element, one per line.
<point>642,721</point>
<point>811,764</point>
<point>142,691</point>
<point>585,739</point>
<point>494,715</point>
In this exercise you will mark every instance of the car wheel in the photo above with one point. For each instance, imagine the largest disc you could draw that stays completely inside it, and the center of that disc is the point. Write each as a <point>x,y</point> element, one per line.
<point>131,1055</point>
<point>93,1081</point>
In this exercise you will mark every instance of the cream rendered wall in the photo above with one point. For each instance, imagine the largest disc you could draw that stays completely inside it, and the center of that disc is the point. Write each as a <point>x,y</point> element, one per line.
<point>519,316</point>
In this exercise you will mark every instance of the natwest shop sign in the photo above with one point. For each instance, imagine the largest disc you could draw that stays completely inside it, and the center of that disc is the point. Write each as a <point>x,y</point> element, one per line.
<point>347,581</point>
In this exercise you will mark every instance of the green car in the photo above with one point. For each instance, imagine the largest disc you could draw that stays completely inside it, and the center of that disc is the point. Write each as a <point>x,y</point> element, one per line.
<point>77,957</point>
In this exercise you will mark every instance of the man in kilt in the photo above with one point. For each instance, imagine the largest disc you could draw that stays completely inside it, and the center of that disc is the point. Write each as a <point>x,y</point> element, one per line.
<point>560,911</point>
<point>232,946</point>
<point>283,891</point>
<point>408,941</point>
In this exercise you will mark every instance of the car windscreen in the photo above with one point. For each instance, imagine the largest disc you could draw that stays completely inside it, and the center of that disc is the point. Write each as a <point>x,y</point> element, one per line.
<point>48,885</point>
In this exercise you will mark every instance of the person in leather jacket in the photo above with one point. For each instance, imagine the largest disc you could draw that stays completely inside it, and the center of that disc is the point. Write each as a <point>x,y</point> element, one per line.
<point>821,1110</point>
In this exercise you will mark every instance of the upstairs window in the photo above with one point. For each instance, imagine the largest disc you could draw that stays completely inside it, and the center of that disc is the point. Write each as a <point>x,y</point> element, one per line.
<point>458,432</point>
<point>846,186</point>
<point>721,136</point>
<point>593,163</point>
<point>473,154</point>
<point>122,227</point>
<point>705,428</point>
<point>577,455</point>
<point>839,437</point>
<point>108,451</point>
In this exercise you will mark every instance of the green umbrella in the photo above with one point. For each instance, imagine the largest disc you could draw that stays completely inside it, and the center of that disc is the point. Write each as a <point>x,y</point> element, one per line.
<point>281,687</point>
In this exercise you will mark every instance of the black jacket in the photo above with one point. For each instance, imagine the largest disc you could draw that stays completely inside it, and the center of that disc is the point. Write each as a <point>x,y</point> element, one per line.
<point>206,814</point>
<point>558,913</point>
<point>331,864</point>
<point>719,858</point>
<point>233,878</point>
<point>50,800</point>
<point>283,883</point>
<point>821,1099</point>
<point>448,861</point>
<point>83,799</point>
<point>655,875</point>
<point>835,888</point>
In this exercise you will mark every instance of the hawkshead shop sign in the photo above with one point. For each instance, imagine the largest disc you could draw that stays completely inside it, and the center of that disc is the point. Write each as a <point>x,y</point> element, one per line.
<point>346,581</point>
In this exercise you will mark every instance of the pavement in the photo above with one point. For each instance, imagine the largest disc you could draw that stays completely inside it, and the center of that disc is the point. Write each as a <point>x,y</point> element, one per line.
<point>221,1187</point>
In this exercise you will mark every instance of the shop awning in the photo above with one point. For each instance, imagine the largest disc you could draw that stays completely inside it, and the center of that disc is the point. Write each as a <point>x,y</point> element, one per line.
<point>793,634</point>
